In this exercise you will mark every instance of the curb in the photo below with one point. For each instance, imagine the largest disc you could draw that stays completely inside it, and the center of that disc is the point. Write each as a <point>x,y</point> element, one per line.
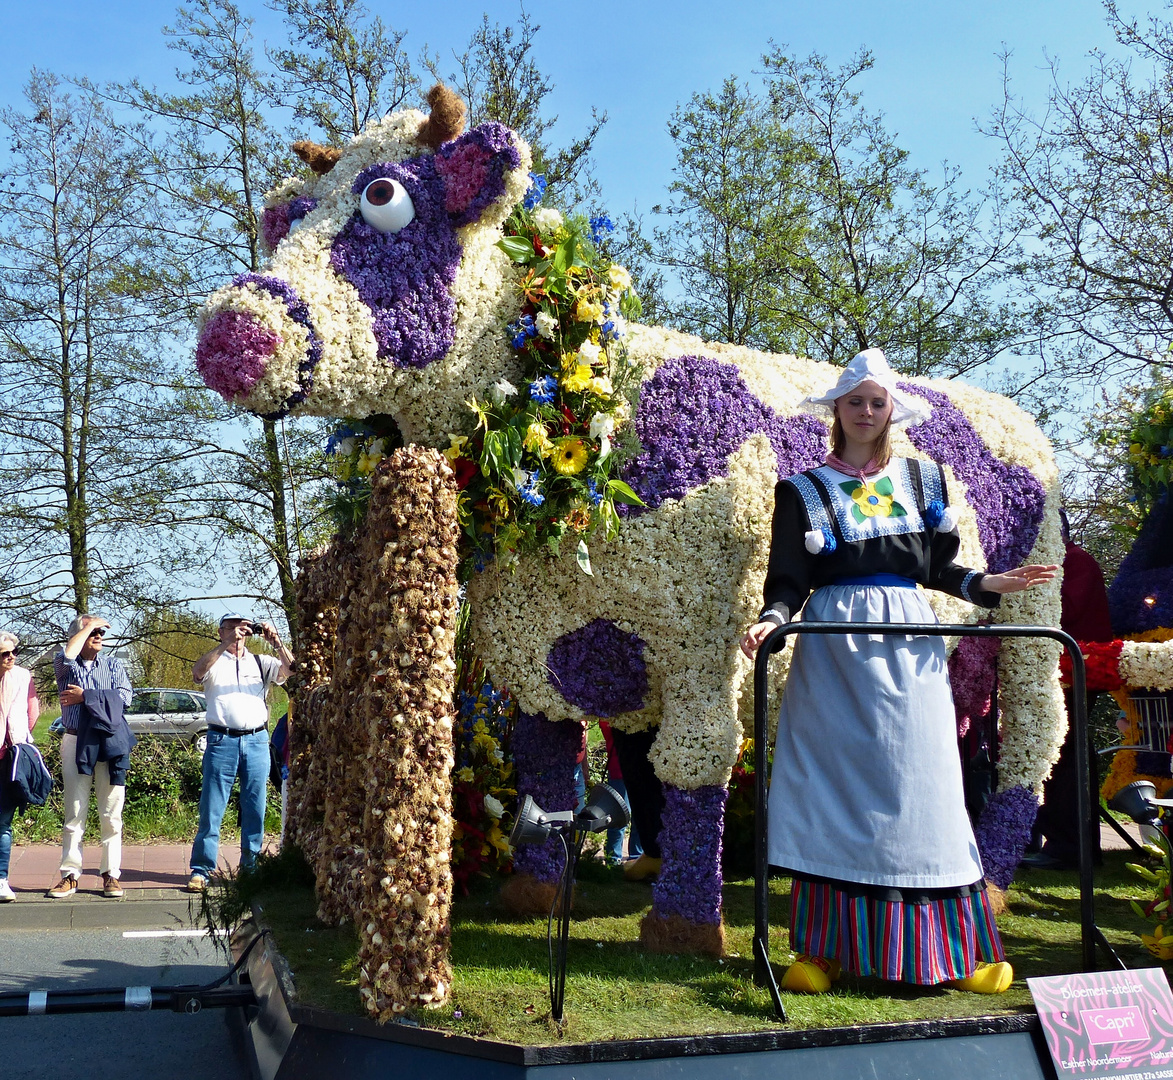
<point>162,909</point>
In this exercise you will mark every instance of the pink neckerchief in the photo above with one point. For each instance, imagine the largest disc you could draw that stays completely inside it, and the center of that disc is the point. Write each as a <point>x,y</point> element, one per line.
<point>870,469</point>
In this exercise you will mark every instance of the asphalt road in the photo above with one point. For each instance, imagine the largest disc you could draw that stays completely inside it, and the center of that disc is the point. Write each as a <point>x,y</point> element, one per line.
<point>159,1045</point>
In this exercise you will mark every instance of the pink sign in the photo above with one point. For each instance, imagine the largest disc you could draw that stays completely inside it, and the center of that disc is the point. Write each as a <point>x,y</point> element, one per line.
<point>1115,1024</point>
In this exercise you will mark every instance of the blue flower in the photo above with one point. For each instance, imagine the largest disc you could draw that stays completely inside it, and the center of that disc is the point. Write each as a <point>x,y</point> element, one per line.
<point>599,226</point>
<point>521,331</point>
<point>593,493</point>
<point>542,389</point>
<point>529,490</point>
<point>537,188</point>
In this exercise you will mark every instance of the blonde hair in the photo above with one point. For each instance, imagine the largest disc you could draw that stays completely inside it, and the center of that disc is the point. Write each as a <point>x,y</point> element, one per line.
<point>881,448</point>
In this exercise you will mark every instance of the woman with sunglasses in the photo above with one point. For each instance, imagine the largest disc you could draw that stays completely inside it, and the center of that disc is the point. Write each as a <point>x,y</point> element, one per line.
<point>19,709</point>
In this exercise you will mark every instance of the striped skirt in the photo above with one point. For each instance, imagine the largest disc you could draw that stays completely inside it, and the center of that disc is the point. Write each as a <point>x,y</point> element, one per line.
<point>925,942</point>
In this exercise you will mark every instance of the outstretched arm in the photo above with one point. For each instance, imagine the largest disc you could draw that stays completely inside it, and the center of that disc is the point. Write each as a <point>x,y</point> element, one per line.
<point>1025,577</point>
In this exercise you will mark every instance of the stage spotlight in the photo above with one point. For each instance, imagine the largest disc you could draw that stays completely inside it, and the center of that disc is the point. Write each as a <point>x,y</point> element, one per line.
<point>604,809</point>
<point>1138,800</point>
<point>533,824</point>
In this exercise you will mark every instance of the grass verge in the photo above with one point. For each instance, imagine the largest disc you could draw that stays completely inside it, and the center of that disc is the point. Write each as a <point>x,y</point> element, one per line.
<point>615,990</point>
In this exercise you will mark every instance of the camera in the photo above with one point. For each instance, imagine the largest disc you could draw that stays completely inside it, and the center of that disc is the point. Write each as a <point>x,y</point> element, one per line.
<point>257,628</point>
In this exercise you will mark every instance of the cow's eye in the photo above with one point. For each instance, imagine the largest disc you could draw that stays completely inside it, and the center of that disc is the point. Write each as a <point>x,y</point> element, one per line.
<point>386,206</point>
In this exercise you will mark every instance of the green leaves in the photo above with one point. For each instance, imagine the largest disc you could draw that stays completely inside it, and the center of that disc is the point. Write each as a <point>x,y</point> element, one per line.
<point>518,248</point>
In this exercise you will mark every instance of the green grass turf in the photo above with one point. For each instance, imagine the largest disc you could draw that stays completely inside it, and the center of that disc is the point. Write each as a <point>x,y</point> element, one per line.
<point>616,990</point>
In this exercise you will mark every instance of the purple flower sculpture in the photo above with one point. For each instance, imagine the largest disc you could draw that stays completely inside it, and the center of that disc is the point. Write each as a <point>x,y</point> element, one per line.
<point>1004,831</point>
<point>690,839</point>
<point>1007,499</point>
<point>973,672</point>
<point>1140,597</point>
<point>599,668</point>
<point>405,278</point>
<point>544,754</point>
<point>299,312</point>
<point>693,414</point>
<point>276,220</point>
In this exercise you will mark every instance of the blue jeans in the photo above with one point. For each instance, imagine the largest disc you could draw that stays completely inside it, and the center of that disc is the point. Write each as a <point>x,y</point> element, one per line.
<point>613,851</point>
<point>226,757</point>
<point>6,816</point>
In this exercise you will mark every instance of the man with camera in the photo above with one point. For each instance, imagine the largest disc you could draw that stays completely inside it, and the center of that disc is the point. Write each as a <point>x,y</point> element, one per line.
<point>236,684</point>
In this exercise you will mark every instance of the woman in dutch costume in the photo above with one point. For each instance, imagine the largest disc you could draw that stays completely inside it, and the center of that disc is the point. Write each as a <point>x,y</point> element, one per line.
<point>866,808</point>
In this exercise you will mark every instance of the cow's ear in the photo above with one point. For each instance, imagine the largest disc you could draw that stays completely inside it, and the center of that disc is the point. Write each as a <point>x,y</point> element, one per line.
<point>473,168</point>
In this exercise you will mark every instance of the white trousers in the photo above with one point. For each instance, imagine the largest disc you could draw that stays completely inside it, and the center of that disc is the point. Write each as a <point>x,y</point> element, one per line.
<point>77,807</point>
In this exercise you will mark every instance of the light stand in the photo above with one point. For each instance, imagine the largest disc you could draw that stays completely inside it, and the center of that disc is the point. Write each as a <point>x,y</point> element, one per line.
<point>1138,800</point>
<point>604,809</point>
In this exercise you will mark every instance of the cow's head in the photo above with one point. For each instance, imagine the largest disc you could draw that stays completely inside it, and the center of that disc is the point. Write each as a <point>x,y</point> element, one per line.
<point>379,264</point>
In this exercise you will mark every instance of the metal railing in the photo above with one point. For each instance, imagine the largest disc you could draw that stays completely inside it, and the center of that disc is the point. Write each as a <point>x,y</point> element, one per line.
<point>1090,934</point>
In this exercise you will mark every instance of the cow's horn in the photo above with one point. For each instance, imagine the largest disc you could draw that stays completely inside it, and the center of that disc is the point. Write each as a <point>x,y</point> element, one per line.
<point>318,157</point>
<point>446,120</point>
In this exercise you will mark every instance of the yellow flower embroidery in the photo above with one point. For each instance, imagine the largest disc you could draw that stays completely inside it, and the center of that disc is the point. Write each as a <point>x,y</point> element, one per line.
<point>872,500</point>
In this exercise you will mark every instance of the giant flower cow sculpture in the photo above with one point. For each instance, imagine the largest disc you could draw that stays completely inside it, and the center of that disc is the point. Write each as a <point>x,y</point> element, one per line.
<point>387,293</point>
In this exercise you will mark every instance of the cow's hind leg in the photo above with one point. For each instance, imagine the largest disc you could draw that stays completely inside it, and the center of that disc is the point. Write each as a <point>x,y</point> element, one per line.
<point>698,741</point>
<point>544,754</point>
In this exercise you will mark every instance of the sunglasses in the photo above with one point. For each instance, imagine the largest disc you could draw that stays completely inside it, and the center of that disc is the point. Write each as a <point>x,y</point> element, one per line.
<point>6,655</point>
<point>98,633</point>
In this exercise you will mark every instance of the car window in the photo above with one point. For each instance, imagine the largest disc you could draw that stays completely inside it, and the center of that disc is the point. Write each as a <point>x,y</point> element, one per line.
<point>175,701</point>
<point>143,702</point>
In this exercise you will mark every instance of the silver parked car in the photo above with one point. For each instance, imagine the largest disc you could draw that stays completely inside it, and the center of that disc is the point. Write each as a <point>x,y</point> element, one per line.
<point>169,714</point>
<point>166,714</point>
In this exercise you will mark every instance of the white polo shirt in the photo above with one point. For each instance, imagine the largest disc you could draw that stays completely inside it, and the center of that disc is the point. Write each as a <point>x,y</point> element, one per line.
<point>235,688</point>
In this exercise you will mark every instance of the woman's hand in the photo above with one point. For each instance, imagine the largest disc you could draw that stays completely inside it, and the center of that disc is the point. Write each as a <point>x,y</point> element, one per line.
<point>1025,577</point>
<point>752,639</point>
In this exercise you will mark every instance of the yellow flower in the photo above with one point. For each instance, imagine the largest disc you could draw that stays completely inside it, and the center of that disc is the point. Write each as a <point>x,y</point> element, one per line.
<point>601,385</point>
<point>571,456</point>
<point>619,277</point>
<point>588,309</point>
<point>536,440</point>
<point>499,504</point>
<point>578,380</point>
<point>456,447</point>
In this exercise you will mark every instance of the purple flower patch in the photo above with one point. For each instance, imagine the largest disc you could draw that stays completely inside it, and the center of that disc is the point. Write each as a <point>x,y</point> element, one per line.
<point>473,170</point>
<point>405,278</point>
<point>1140,597</point>
<point>300,314</point>
<point>693,414</point>
<point>276,220</point>
<point>973,673</point>
<point>1007,499</point>
<point>600,669</point>
<point>1004,831</point>
<point>544,754</point>
<point>690,840</point>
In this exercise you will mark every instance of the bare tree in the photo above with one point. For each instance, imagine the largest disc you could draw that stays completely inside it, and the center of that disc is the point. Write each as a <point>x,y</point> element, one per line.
<point>499,79</point>
<point>1095,187</point>
<point>347,71</point>
<point>94,433</point>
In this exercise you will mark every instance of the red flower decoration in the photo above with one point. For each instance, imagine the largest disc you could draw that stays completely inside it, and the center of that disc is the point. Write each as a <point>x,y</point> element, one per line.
<point>1101,661</point>
<point>465,470</point>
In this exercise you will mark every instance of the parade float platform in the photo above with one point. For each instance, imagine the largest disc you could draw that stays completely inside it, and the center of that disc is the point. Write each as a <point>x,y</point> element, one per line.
<point>631,1014</point>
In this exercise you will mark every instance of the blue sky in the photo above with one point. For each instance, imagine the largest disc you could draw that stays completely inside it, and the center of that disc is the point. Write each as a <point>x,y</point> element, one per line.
<point>937,66</point>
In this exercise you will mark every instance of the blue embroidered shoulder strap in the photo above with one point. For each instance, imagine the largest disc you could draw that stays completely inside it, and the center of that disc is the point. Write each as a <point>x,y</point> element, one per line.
<point>816,502</point>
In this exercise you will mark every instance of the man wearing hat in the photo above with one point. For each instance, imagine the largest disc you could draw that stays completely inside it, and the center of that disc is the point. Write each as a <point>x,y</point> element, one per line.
<point>236,684</point>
